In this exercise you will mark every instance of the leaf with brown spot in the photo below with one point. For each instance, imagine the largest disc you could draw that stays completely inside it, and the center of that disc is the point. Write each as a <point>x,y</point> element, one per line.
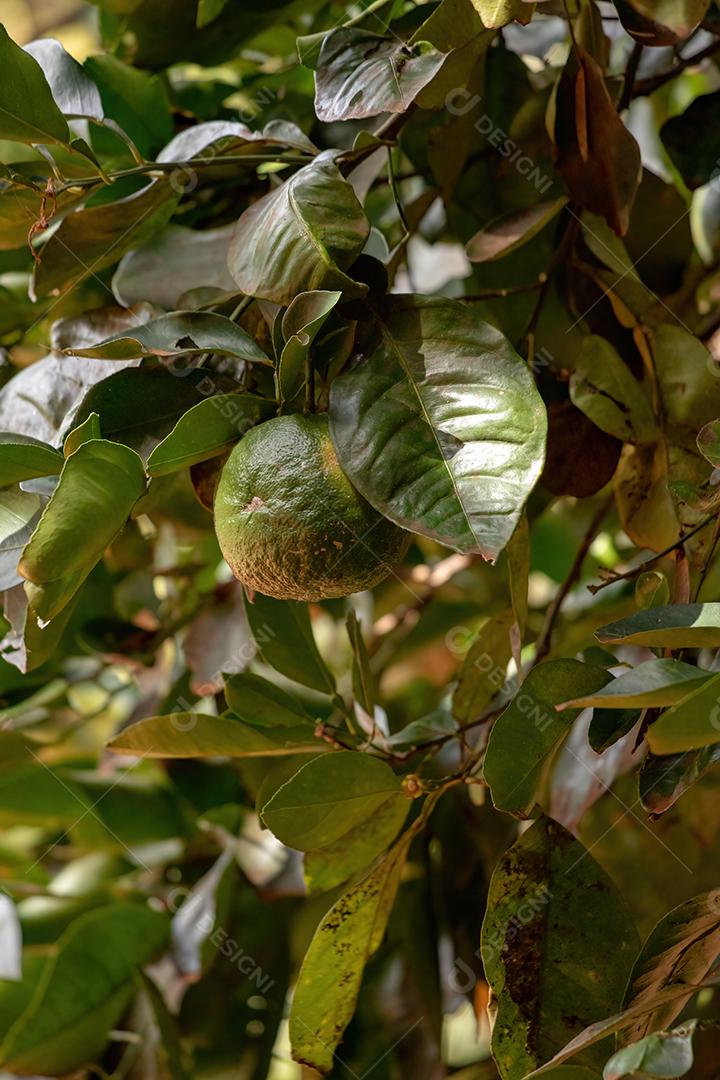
<point>557,946</point>
<point>331,973</point>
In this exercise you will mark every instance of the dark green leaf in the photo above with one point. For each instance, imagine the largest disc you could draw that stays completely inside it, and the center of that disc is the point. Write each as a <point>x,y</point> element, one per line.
<point>135,99</point>
<point>259,701</point>
<point>525,738</point>
<point>673,626</point>
<point>285,641</point>
<point>301,237</point>
<point>178,333</point>
<point>693,140</point>
<point>361,74</point>
<point>603,387</point>
<point>654,683</point>
<point>22,458</point>
<point>301,324</point>
<point>364,689</point>
<point>440,425</point>
<point>27,111</point>
<point>207,429</point>
<point>664,779</point>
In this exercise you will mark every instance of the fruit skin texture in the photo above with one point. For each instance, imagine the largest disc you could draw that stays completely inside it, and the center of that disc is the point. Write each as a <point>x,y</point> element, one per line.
<point>289,522</point>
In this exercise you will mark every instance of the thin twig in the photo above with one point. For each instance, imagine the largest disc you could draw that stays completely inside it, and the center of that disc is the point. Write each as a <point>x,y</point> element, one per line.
<point>630,76</point>
<point>612,577</point>
<point>544,641</point>
<point>647,86</point>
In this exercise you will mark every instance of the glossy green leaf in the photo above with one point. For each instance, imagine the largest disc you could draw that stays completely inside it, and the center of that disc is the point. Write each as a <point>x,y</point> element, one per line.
<point>301,324</point>
<point>330,976</point>
<point>440,425</point>
<point>98,487</point>
<point>27,111</point>
<point>22,458</point>
<point>140,406</point>
<point>681,949</point>
<point>693,722</point>
<point>328,797</point>
<point>178,333</point>
<point>285,641</point>
<point>73,91</point>
<point>207,429</point>
<point>543,890</point>
<point>90,240</point>
<point>217,138</point>
<point>511,231</point>
<point>525,738</point>
<point>301,237</point>
<point>84,989</point>
<point>673,626</point>
<point>190,734</point>
<point>361,74</point>
<point>649,685</point>
<point>603,387</point>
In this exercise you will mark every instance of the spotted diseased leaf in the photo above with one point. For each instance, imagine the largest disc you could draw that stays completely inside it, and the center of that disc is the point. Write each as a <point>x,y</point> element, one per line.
<point>301,237</point>
<point>330,976</point>
<point>360,74</point>
<point>595,154</point>
<point>440,426</point>
<point>551,910</point>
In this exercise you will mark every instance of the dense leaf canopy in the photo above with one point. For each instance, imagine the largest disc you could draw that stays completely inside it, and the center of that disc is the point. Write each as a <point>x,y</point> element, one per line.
<point>464,823</point>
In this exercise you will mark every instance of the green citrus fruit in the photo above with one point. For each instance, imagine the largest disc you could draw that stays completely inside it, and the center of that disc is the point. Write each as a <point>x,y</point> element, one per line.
<point>289,522</point>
